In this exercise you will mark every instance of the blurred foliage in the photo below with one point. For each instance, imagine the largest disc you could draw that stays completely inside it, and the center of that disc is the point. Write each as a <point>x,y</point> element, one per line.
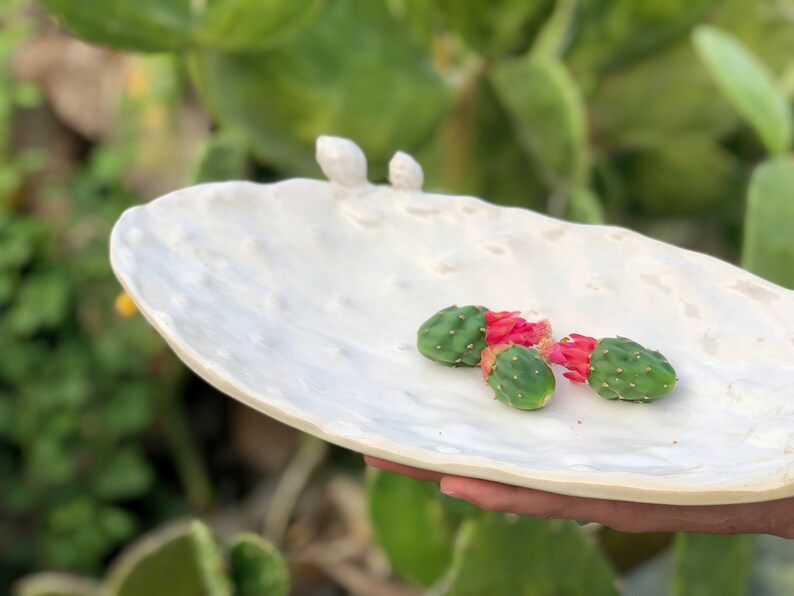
<point>79,386</point>
<point>506,554</point>
<point>663,115</point>
<point>748,84</point>
<point>768,247</point>
<point>157,26</point>
<point>696,552</point>
<point>419,545</point>
<point>179,558</point>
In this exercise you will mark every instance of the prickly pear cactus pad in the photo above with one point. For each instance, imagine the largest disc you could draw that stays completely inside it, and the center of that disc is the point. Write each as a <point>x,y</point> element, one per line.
<point>302,300</point>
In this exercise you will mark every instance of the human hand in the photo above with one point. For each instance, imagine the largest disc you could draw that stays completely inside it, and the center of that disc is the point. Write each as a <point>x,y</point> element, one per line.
<point>770,517</point>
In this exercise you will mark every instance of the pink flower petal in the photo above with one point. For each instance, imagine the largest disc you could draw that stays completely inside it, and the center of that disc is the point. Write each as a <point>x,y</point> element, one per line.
<point>573,352</point>
<point>508,327</point>
<point>488,358</point>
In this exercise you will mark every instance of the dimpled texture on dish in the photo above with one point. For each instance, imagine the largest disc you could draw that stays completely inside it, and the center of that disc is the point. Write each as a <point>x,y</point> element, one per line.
<point>302,300</point>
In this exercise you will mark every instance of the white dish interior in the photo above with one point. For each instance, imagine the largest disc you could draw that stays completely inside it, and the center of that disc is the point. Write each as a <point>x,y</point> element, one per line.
<point>302,299</point>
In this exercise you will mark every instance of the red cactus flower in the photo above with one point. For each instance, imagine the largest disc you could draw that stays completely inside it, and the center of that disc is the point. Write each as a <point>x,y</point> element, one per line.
<point>507,327</point>
<point>573,353</point>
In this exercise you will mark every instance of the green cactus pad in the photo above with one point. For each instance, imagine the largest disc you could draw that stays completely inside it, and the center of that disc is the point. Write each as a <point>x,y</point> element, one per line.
<point>623,369</point>
<point>257,567</point>
<point>209,559</point>
<point>454,336</point>
<point>520,378</point>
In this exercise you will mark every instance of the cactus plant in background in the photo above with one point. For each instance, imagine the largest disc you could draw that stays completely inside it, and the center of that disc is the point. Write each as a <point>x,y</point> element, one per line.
<point>615,367</point>
<point>768,247</point>
<point>748,85</point>
<point>256,567</point>
<point>210,563</point>
<point>646,143</point>
<point>418,544</point>
<point>506,554</point>
<point>178,558</point>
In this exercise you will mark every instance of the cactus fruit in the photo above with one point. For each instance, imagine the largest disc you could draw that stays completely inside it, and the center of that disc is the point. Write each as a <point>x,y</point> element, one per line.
<point>456,335</point>
<point>615,367</point>
<point>518,375</point>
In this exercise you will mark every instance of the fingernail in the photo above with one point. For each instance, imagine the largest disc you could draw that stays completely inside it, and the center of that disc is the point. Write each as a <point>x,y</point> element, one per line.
<point>450,493</point>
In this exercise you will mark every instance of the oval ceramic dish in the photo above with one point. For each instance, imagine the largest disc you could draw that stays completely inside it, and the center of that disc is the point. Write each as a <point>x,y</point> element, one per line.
<point>302,299</point>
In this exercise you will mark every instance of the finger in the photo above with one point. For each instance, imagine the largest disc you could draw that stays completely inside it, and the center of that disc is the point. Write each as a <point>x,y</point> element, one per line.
<point>773,517</point>
<point>390,466</point>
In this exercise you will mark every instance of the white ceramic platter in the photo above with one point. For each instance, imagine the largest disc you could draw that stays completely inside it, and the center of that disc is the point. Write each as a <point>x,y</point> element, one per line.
<point>302,300</point>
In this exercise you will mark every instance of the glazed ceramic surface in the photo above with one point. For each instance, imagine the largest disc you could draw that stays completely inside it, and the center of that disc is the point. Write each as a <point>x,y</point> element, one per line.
<point>302,299</point>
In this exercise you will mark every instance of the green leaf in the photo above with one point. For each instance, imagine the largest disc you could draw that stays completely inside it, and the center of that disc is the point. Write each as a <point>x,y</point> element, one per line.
<point>611,35</point>
<point>137,25</point>
<point>683,177</point>
<point>173,25</point>
<point>160,563</point>
<point>342,76</point>
<point>256,567</point>
<point>707,564</point>
<point>21,237</point>
<point>413,525</point>
<point>128,411</point>
<point>223,157</point>
<point>42,302</point>
<point>768,248</point>
<point>125,474</point>
<point>211,564</point>
<point>474,152</point>
<point>495,28</point>
<point>584,206</point>
<point>245,25</point>
<point>49,463</point>
<point>749,86</point>
<point>507,554</point>
<point>553,38</point>
<point>764,27</point>
<point>656,101</point>
<point>116,523</point>
<point>548,113</point>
